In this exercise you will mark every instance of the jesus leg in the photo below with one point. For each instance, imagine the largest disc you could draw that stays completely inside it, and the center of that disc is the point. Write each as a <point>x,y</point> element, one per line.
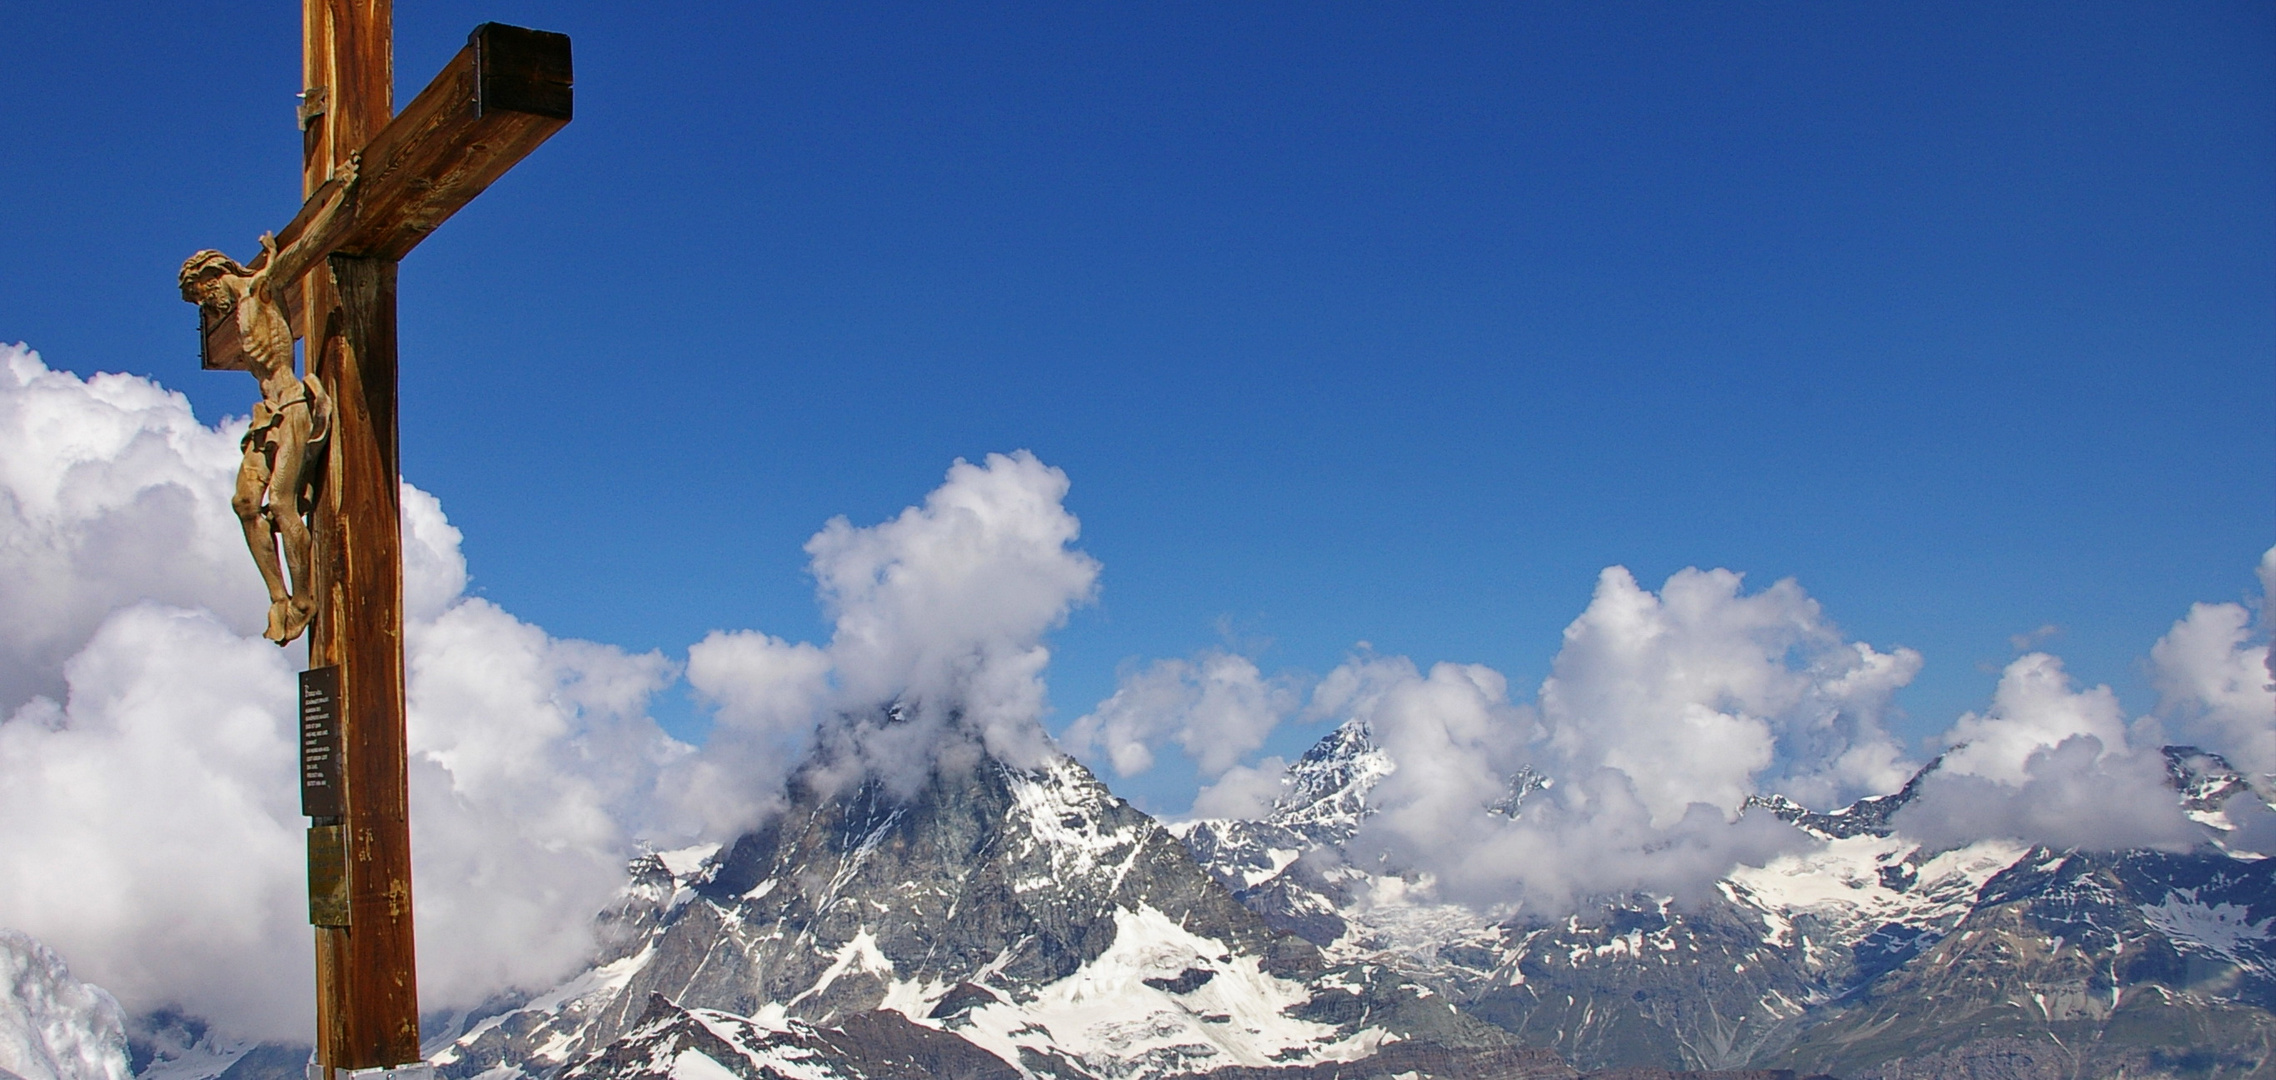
<point>260,535</point>
<point>284,491</point>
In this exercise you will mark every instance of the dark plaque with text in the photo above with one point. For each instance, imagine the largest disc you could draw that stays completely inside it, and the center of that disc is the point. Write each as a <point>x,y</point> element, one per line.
<point>320,743</point>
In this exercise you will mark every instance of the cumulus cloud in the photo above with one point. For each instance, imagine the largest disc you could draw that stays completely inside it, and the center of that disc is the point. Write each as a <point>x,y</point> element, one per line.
<point>1443,813</point>
<point>531,760</point>
<point>2214,683</point>
<point>2034,708</point>
<point>2076,793</point>
<point>153,826</point>
<point>1217,706</point>
<point>2047,763</point>
<point>939,616</point>
<point>2267,573</point>
<point>769,695</point>
<point>107,493</point>
<point>147,763</point>
<point>147,781</point>
<point>1700,694</point>
<point>147,758</point>
<point>1244,792</point>
<point>2053,764</point>
<point>1662,713</point>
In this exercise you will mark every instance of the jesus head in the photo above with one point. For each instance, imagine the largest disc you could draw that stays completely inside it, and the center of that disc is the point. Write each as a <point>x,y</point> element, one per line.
<point>204,280</point>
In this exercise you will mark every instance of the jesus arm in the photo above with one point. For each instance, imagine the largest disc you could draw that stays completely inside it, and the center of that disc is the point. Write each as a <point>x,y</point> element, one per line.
<point>316,241</point>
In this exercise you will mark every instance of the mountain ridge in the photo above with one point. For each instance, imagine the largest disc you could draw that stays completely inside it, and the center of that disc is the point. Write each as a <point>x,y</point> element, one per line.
<point>1002,921</point>
<point>1770,971</point>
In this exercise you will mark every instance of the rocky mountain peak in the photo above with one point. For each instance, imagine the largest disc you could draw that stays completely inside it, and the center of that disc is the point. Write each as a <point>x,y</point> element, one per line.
<point>2205,779</point>
<point>1023,914</point>
<point>1865,817</point>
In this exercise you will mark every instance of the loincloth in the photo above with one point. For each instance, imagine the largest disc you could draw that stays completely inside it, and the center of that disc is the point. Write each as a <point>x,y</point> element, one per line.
<point>309,395</point>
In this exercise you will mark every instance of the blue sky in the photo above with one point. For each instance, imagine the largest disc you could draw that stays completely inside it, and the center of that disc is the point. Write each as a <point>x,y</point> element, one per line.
<point>1348,323</point>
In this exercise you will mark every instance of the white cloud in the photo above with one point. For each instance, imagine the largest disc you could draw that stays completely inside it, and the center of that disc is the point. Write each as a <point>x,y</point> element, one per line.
<point>2076,793</point>
<point>2048,764</point>
<point>939,612</point>
<point>530,757</point>
<point>146,765</point>
<point>2215,687</point>
<point>1218,707</point>
<point>153,826</point>
<point>111,493</point>
<point>2034,708</point>
<point>1702,695</point>
<point>1662,713</point>
<point>769,694</point>
<point>1457,741</point>
<point>148,792</point>
<point>147,782</point>
<point>1244,792</point>
<point>2267,574</point>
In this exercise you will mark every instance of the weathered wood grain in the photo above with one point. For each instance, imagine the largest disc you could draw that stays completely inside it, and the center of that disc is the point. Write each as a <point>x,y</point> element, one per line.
<point>370,1002</point>
<point>367,989</point>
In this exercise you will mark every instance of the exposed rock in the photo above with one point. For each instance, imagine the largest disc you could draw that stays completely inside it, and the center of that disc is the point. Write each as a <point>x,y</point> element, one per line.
<point>1026,914</point>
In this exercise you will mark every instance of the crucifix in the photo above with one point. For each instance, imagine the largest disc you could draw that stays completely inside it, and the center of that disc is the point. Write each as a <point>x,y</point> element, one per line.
<point>320,475</point>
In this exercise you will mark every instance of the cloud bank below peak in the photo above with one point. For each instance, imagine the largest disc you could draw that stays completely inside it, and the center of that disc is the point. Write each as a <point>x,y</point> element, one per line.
<point>1664,710</point>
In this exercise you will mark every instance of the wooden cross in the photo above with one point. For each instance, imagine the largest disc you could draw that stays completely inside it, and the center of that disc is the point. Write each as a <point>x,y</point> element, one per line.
<point>505,93</point>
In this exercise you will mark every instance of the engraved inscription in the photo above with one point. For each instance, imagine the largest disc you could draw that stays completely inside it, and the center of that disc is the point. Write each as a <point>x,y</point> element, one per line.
<point>320,794</point>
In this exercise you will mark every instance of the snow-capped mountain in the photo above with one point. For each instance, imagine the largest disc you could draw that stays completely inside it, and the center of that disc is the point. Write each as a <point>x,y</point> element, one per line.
<point>1857,956</point>
<point>52,1026</point>
<point>1004,922</point>
<point>998,922</point>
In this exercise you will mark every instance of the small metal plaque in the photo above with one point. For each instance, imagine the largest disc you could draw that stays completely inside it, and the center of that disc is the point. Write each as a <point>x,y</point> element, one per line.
<point>320,794</point>
<point>327,875</point>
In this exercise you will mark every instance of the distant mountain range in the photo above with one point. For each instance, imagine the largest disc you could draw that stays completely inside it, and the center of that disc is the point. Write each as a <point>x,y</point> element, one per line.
<point>1869,956</point>
<point>1009,922</point>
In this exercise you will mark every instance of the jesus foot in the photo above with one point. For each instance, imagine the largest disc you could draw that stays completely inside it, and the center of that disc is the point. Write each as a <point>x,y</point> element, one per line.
<point>280,615</point>
<point>298,614</point>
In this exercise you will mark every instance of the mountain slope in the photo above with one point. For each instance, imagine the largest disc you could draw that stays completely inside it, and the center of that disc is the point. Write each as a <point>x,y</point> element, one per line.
<point>1025,912</point>
<point>2140,963</point>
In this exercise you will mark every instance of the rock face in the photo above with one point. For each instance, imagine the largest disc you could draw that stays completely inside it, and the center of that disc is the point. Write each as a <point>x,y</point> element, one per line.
<point>1868,956</point>
<point>998,921</point>
<point>54,1027</point>
<point>882,1045</point>
<point>2138,964</point>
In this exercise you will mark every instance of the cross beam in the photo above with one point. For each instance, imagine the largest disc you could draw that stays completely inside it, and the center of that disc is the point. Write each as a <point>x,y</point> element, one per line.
<point>506,92</point>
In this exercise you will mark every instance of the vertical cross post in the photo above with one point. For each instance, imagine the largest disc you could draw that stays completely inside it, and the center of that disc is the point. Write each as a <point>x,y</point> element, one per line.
<point>366,980</point>
<point>506,92</point>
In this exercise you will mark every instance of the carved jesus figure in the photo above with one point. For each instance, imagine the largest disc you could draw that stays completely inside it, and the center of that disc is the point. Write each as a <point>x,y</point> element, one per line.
<point>284,446</point>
